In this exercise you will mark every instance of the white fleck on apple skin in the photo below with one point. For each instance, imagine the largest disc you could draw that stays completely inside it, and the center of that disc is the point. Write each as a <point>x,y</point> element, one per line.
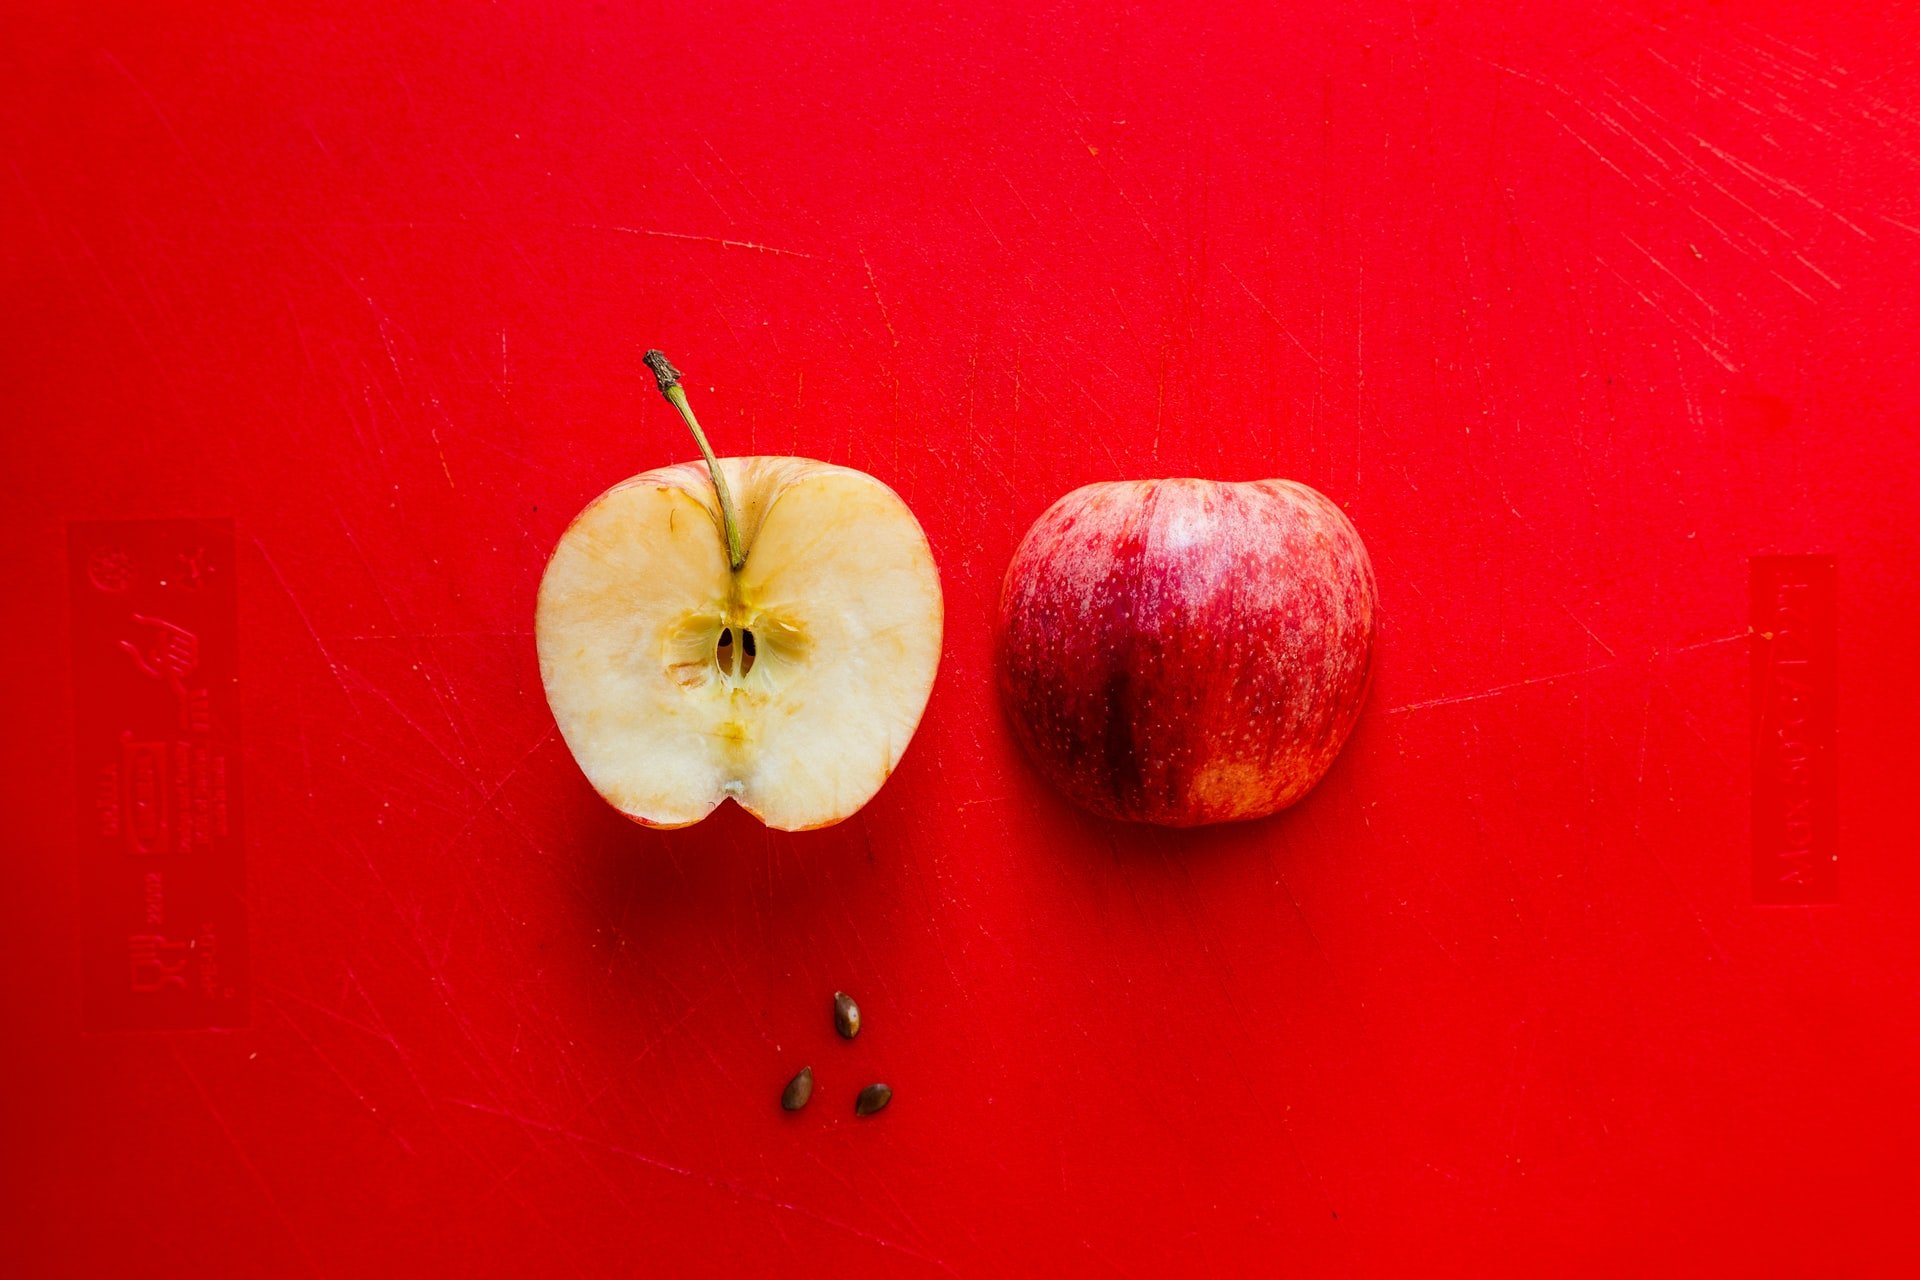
<point>1187,651</point>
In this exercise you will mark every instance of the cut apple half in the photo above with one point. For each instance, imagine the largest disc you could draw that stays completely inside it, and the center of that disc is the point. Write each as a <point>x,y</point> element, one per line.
<point>791,683</point>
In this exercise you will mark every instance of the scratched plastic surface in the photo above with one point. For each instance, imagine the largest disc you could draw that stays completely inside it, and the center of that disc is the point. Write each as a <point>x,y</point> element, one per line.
<point>1575,314</point>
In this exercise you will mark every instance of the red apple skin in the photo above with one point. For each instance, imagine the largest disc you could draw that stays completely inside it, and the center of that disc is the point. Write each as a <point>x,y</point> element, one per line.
<point>1187,651</point>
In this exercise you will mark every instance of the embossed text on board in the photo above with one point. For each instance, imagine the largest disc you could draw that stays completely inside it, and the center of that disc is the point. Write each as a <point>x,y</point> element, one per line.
<point>1795,791</point>
<point>156,729</point>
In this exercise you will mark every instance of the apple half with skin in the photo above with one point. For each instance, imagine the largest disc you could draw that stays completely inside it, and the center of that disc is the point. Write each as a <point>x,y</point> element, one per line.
<point>1187,651</point>
<point>778,652</point>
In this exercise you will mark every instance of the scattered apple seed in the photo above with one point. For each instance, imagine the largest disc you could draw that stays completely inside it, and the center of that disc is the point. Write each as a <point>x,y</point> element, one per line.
<point>846,1015</point>
<point>799,1090</point>
<point>871,1099</point>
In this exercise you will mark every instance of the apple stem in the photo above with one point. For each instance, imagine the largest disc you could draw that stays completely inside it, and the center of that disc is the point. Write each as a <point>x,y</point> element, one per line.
<point>669,379</point>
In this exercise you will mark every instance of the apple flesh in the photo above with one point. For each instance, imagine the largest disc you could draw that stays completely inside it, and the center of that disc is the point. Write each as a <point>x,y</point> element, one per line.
<point>1187,651</point>
<point>779,652</point>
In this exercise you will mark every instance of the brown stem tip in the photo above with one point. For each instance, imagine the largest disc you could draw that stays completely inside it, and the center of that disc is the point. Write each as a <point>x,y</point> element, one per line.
<point>664,373</point>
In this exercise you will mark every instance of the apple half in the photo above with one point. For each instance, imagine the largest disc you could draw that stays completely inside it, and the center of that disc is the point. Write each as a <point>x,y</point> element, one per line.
<point>778,653</point>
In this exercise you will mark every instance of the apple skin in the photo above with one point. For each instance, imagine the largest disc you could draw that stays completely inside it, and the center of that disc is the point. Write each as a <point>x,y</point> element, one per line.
<point>1187,651</point>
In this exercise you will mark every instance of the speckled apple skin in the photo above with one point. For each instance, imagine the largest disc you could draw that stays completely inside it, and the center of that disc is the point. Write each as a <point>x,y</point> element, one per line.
<point>1187,651</point>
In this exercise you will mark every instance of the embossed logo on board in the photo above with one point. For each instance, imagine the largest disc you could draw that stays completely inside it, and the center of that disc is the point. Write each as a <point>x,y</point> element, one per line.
<point>156,720</point>
<point>1795,787</point>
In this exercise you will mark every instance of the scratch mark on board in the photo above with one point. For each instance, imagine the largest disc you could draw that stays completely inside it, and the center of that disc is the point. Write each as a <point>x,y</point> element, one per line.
<point>722,241</point>
<point>306,620</point>
<point>1801,258</point>
<point>1706,344</point>
<point>710,1180</point>
<point>246,1160</point>
<point>1576,672</point>
<point>1669,272</point>
<point>1593,635</point>
<point>882,302</point>
<point>326,1061</point>
<point>1268,312</point>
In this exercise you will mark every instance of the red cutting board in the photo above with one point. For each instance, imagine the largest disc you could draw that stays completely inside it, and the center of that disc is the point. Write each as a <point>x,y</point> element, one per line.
<point>1594,954</point>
